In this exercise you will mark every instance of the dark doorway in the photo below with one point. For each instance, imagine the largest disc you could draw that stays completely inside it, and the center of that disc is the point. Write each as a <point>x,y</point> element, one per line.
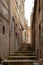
<point>3,29</point>
<point>40,34</point>
<point>40,42</point>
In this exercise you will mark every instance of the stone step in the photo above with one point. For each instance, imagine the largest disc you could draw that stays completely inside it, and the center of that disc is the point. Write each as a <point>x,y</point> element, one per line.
<point>11,61</point>
<point>25,49</point>
<point>18,62</point>
<point>0,64</point>
<point>24,52</point>
<point>22,57</point>
<point>27,54</point>
<point>36,63</point>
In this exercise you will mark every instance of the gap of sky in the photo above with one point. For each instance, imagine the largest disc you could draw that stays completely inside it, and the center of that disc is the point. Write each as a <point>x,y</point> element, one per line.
<point>29,4</point>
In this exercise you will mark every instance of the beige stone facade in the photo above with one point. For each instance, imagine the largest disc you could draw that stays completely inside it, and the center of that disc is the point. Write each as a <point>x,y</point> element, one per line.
<point>10,26</point>
<point>4,30</point>
<point>26,35</point>
<point>29,36</point>
<point>37,28</point>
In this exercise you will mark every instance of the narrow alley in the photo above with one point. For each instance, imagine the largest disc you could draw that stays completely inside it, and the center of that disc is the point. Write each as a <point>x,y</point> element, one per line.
<point>21,44</point>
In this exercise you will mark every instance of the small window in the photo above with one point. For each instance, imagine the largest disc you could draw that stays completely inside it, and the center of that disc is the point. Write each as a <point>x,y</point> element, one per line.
<point>13,19</point>
<point>3,29</point>
<point>16,24</point>
<point>16,33</point>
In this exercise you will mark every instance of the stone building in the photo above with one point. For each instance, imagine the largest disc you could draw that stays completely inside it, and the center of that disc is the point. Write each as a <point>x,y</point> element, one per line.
<point>37,29</point>
<point>25,32</point>
<point>20,5</point>
<point>11,26</point>
<point>4,29</point>
<point>29,35</point>
<point>26,35</point>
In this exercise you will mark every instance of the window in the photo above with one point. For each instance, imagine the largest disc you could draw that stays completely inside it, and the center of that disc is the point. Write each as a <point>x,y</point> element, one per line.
<point>16,24</point>
<point>16,33</point>
<point>13,19</point>
<point>3,29</point>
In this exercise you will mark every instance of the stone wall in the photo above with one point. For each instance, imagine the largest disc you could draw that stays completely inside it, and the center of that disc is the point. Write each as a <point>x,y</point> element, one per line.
<point>4,32</point>
<point>10,40</point>
<point>37,28</point>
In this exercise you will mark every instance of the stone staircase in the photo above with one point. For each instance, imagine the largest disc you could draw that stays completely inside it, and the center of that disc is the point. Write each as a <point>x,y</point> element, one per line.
<point>24,56</point>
